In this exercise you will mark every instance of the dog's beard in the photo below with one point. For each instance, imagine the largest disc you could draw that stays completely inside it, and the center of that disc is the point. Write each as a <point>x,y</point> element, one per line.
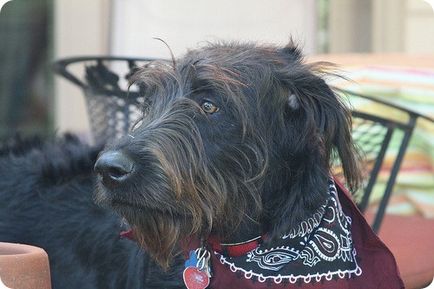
<point>158,234</point>
<point>203,208</point>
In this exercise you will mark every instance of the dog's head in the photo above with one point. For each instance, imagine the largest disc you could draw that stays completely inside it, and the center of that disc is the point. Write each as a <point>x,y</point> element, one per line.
<point>231,134</point>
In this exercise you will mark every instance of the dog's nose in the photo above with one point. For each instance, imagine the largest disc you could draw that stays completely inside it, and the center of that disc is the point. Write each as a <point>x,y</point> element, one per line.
<point>114,167</point>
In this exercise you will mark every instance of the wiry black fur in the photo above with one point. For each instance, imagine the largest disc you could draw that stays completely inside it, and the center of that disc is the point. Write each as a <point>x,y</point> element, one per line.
<point>46,200</point>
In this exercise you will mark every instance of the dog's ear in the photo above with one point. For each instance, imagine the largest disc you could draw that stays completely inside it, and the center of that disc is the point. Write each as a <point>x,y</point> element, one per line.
<point>316,125</point>
<point>293,102</point>
<point>321,110</point>
<point>328,118</point>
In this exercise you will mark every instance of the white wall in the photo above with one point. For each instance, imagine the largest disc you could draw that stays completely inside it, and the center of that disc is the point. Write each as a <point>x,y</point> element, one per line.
<point>397,26</point>
<point>187,23</point>
<point>81,28</point>
<point>388,27</point>
<point>419,27</point>
<point>350,22</point>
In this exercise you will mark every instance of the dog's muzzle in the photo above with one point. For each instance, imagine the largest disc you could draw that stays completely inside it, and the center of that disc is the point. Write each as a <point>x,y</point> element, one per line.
<point>114,167</point>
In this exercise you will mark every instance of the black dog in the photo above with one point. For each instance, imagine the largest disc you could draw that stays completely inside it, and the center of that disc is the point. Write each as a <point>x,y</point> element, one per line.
<point>231,165</point>
<point>46,199</point>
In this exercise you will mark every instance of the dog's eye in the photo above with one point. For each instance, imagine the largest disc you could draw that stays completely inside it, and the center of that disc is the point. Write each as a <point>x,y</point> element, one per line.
<point>209,107</point>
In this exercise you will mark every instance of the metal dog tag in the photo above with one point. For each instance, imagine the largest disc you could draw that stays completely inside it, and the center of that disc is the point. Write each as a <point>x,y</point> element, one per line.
<point>197,272</point>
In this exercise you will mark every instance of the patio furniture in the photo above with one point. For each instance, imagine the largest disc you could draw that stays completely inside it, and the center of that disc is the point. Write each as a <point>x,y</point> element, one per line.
<point>373,134</point>
<point>410,238</point>
<point>113,106</point>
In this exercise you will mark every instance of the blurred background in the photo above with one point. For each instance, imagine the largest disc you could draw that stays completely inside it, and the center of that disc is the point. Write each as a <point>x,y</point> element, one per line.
<point>385,46</point>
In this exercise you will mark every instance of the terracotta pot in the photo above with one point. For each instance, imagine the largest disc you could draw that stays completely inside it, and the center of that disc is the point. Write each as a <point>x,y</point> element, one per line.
<point>24,267</point>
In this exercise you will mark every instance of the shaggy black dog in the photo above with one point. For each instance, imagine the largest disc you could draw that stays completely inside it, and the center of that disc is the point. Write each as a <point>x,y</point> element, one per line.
<point>231,165</point>
<point>232,139</point>
<point>46,199</point>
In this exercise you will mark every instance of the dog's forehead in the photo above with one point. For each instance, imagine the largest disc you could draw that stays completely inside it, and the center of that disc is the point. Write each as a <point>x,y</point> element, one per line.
<point>230,69</point>
<point>233,63</point>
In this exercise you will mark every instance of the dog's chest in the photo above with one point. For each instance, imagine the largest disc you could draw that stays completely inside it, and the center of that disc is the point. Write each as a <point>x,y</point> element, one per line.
<point>320,253</point>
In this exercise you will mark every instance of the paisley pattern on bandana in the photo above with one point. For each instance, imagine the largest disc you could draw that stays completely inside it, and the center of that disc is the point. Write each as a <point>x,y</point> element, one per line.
<point>320,247</point>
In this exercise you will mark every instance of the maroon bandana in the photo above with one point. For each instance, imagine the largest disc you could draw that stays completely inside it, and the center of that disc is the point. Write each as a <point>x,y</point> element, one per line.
<point>335,248</point>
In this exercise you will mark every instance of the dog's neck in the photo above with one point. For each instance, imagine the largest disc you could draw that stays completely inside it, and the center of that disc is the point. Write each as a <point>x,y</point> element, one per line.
<point>247,237</point>
<point>248,229</point>
<point>285,203</point>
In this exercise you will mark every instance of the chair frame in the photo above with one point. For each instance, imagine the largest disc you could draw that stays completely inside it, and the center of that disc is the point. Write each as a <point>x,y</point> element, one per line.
<point>407,128</point>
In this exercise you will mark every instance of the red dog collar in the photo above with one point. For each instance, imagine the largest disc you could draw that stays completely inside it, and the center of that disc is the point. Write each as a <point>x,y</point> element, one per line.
<point>230,250</point>
<point>235,249</point>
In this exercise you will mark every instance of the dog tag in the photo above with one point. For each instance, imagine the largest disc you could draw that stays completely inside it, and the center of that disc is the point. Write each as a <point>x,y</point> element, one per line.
<point>197,272</point>
<point>195,279</point>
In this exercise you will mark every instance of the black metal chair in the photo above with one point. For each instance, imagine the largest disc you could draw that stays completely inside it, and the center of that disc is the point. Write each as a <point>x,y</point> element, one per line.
<point>410,238</point>
<point>112,105</point>
<point>373,134</point>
